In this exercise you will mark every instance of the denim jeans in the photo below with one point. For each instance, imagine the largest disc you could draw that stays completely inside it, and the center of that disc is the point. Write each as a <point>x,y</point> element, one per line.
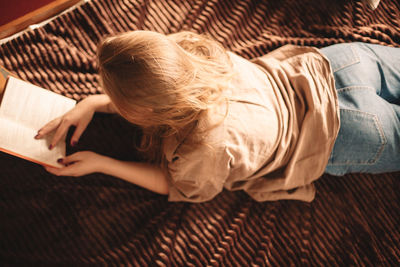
<point>367,80</point>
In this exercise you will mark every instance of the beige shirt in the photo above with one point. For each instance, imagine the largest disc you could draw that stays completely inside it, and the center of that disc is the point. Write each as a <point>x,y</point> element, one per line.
<point>282,122</point>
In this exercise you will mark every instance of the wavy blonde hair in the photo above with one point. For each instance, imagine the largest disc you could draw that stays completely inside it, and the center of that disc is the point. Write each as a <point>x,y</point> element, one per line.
<point>164,83</point>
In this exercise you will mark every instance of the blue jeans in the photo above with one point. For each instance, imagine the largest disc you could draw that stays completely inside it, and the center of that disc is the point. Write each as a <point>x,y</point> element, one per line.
<point>367,80</point>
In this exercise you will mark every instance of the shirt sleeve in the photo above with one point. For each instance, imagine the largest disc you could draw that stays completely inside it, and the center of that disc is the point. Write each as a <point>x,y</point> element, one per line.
<point>198,176</point>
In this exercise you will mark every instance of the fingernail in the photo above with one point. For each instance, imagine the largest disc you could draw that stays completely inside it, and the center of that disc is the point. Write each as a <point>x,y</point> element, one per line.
<point>37,136</point>
<point>50,147</point>
<point>60,160</point>
<point>74,143</point>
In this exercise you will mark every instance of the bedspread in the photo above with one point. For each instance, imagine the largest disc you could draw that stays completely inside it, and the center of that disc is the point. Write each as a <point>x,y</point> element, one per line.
<point>97,220</point>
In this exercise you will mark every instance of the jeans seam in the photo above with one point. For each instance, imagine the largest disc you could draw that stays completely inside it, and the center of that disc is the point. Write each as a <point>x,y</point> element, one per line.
<point>355,87</point>
<point>356,60</point>
<point>377,58</point>
<point>379,150</point>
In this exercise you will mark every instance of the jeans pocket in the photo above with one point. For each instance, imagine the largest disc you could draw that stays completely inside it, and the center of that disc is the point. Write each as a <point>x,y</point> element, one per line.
<point>341,55</point>
<point>361,139</point>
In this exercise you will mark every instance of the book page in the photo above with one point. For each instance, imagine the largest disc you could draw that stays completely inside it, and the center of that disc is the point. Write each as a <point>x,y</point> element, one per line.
<point>31,105</point>
<point>18,140</point>
<point>26,108</point>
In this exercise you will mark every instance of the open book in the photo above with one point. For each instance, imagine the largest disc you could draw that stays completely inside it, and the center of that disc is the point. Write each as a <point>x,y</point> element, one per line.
<point>24,109</point>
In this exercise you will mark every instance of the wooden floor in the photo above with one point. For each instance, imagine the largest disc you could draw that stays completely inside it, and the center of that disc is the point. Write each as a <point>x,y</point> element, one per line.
<point>36,16</point>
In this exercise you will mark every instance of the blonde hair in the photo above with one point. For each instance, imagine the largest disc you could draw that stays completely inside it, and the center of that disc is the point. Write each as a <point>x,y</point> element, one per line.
<point>164,84</point>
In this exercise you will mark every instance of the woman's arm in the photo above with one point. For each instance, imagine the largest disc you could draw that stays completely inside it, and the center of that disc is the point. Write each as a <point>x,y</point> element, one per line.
<point>100,103</point>
<point>145,175</point>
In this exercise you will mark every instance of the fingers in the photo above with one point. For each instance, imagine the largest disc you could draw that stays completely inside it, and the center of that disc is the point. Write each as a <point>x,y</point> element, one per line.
<point>71,158</point>
<point>64,171</point>
<point>62,126</point>
<point>79,116</point>
<point>80,128</point>
<point>70,162</point>
<point>61,132</point>
<point>78,164</point>
<point>49,127</point>
<point>72,165</point>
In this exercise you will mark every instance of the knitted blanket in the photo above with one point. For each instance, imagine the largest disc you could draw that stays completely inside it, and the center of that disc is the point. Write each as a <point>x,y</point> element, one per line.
<point>98,220</point>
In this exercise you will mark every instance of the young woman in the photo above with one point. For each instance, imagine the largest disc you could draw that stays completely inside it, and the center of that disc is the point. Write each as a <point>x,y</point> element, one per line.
<point>213,120</point>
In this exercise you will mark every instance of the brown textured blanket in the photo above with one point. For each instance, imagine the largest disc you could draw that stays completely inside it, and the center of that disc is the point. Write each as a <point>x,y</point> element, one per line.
<point>98,220</point>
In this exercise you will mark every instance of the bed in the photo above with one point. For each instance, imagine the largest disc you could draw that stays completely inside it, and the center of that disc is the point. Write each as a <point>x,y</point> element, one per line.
<point>97,220</point>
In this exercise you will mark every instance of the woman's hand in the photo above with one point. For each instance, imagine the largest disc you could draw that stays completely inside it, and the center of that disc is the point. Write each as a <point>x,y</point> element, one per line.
<point>79,163</point>
<point>145,175</point>
<point>79,116</point>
